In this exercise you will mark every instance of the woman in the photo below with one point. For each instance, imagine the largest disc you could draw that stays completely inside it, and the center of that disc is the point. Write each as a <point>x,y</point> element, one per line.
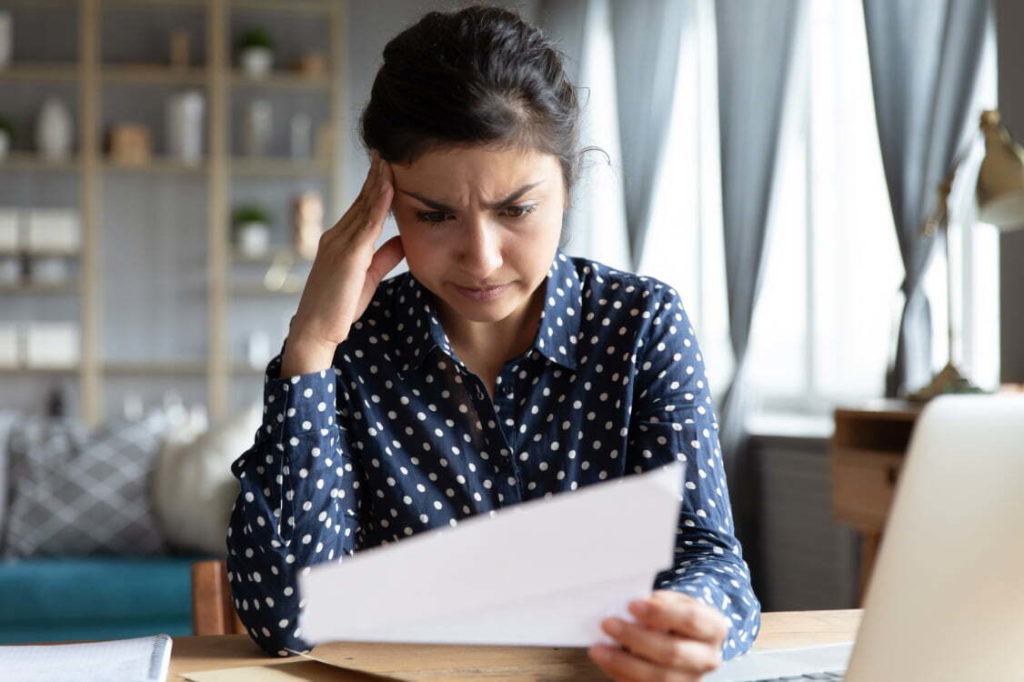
<point>497,370</point>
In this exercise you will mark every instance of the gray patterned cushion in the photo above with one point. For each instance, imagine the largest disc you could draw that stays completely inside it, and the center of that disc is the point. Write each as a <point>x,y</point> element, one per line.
<point>8,419</point>
<point>75,493</point>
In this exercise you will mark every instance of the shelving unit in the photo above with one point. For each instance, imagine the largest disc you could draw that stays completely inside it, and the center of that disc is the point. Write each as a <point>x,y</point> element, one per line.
<point>221,176</point>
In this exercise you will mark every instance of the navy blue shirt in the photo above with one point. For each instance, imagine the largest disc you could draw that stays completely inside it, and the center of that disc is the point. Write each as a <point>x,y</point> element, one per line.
<point>399,437</point>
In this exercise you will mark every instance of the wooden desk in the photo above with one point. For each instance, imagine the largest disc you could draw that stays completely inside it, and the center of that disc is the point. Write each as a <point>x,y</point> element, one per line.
<point>867,451</point>
<point>428,662</point>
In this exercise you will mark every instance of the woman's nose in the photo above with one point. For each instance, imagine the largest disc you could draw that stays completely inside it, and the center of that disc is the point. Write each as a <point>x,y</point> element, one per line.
<point>481,252</point>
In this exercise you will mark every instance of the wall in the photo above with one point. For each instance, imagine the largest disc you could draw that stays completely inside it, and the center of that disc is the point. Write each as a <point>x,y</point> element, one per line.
<point>805,560</point>
<point>1009,23</point>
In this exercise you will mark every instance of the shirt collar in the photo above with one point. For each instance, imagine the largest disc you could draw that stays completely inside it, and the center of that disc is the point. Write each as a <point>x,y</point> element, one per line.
<point>419,329</point>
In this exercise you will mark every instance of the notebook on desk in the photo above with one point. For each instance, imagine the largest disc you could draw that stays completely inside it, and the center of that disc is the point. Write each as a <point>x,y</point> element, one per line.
<point>139,659</point>
<point>946,599</point>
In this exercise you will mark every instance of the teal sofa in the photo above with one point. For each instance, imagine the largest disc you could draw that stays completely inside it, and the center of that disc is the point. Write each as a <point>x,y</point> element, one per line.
<point>83,598</point>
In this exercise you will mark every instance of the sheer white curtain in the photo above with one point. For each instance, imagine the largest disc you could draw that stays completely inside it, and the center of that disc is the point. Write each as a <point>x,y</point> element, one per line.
<point>684,238</point>
<point>597,218</point>
<point>975,252</point>
<point>824,329</point>
<point>825,323</point>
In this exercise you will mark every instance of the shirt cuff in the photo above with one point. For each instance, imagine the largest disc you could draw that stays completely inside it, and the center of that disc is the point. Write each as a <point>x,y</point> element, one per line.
<point>300,404</point>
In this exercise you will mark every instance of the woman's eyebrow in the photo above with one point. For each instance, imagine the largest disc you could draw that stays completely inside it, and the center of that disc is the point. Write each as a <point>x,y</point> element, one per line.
<point>438,206</point>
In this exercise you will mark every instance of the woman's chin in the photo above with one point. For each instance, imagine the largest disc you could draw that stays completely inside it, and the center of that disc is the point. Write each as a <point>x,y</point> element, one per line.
<point>481,311</point>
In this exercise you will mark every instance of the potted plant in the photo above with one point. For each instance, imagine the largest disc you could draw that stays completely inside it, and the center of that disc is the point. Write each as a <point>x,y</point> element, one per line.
<point>256,52</point>
<point>252,230</point>
<point>6,137</point>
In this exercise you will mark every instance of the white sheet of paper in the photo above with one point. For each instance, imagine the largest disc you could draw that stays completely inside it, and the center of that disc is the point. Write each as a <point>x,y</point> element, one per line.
<point>544,572</point>
<point>139,659</point>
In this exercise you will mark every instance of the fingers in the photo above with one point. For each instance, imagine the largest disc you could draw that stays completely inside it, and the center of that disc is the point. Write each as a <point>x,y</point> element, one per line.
<point>364,219</point>
<point>672,611</point>
<point>380,196</point>
<point>622,665</point>
<point>664,649</point>
<point>371,175</point>
<point>367,209</point>
<point>385,259</point>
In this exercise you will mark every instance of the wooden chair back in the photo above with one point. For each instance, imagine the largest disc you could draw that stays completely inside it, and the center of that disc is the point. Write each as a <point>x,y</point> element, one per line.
<point>212,610</point>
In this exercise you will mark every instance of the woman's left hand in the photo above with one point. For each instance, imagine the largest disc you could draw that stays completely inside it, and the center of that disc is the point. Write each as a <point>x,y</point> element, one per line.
<point>675,638</point>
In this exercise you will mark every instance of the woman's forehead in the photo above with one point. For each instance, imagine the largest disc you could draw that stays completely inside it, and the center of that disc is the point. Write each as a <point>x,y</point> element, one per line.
<point>486,172</point>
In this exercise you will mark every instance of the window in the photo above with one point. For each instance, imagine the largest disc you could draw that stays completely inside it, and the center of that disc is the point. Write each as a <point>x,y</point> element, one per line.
<point>826,319</point>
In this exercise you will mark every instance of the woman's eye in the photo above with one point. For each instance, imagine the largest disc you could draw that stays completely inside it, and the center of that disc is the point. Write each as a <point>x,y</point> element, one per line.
<point>432,216</point>
<point>519,211</point>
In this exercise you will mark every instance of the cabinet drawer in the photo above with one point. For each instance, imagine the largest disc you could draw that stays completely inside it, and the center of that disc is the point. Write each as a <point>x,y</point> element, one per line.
<point>864,482</point>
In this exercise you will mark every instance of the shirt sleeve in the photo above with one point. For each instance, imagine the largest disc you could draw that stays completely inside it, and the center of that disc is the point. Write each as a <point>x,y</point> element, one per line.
<point>298,504</point>
<point>673,419</point>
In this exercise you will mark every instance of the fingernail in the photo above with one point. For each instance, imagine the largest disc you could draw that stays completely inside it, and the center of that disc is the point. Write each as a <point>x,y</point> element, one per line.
<point>600,654</point>
<point>640,608</point>
<point>613,626</point>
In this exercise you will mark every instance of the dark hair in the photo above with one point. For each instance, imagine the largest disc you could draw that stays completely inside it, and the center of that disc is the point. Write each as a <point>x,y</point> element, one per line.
<point>481,75</point>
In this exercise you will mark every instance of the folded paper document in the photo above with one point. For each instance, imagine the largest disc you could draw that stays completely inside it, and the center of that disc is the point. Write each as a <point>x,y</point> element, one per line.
<point>544,572</point>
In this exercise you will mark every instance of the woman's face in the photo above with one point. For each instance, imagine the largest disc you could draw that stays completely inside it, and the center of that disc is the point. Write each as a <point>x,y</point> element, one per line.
<point>480,226</point>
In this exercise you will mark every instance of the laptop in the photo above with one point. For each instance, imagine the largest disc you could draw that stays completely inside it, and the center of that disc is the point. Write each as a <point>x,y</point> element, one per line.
<point>946,597</point>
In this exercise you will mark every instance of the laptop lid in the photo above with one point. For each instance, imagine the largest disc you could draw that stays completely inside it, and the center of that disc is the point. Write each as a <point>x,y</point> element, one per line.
<point>946,597</point>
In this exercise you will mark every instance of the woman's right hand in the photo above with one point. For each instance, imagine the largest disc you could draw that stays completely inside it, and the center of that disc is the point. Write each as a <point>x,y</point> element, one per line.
<point>344,276</point>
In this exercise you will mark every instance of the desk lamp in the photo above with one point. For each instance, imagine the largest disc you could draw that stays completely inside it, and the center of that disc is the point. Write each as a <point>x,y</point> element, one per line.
<point>1000,196</point>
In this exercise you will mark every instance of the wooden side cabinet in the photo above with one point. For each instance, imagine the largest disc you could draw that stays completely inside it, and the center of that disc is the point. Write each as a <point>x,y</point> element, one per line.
<point>867,451</point>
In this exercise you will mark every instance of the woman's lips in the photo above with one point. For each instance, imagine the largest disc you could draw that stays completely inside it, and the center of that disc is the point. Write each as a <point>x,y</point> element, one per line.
<point>482,294</point>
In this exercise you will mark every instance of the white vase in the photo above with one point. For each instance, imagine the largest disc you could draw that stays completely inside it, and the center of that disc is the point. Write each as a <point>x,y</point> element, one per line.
<point>256,61</point>
<point>49,271</point>
<point>257,128</point>
<point>301,139</point>
<point>185,126</point>
<point>5,144</point>
<point>53,130</point>
<point>10,270</point>
<point>253,239</point>
<point>6,39</point>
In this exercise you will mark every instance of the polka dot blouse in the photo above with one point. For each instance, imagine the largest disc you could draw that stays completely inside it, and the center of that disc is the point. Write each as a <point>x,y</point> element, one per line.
<point>399,437</point>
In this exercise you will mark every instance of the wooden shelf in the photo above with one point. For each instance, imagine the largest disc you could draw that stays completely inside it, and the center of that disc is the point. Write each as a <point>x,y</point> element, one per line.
<point>279,166</point>
<point>29,72</point>
<point>242,368</point>
<point>152,4</point>
<point>267,258</point>
<point>62,4</point>
<point>161,368</point>
<point>313,6</point>
<point>253,290</point>
<point>38,370</point>
<point>87,79</point>
<point>153,74</point>
<point>43,253</point>
<point>38,288</point>
<point>287,80</point>
<point>155,165</point>
<point>30,161</point>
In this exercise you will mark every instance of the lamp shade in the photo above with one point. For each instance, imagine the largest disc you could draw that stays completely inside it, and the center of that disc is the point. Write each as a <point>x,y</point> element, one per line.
<point>1000,188</point>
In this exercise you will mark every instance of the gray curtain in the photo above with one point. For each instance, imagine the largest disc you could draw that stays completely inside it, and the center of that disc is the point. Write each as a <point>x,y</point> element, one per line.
<point>563,22</point>
<point>925,57</point>
<point>755,45</point>
<point>646,35</point>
